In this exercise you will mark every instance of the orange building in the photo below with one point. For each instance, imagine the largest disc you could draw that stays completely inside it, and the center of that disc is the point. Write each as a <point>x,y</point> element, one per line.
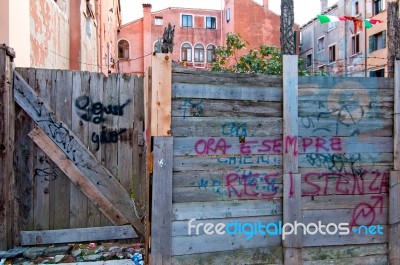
<point>197,33</point>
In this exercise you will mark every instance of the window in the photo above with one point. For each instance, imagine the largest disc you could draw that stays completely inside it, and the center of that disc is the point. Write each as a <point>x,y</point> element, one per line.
<point>331,25</point>
<point>378,6</point>
<point>123,49</point>
<point>309,60</point>
<point>356,9</point>
<point>377,73</point>
<point>377,41</point>
<point>210,53</point>
<point>321,44</point>
<point>186,53</point>
<point>158,21</point>
<point>199,53</point>
<point>355,44</point>
<point>211,23</point>
<point>228,15</point>
<point>187,21</point>
<point>332,53</point>
<point>322,68</point>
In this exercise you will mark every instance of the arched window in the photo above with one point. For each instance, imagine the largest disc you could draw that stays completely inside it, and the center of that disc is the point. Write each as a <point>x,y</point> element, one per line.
<point>186,52</point>
<point>123,49</point>
<point>199,53</point>
<point>210,53</point>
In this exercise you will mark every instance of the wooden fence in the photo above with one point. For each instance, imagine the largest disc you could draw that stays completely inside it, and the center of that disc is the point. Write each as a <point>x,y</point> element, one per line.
<point>243,149</point>
<point>90,117</point>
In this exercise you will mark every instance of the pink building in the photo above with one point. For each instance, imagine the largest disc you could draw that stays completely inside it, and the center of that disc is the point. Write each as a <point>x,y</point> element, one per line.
<point>197,33</point>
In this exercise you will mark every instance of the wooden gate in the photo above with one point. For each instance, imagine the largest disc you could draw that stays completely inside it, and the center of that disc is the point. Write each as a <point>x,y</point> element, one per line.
<point>78,155</point>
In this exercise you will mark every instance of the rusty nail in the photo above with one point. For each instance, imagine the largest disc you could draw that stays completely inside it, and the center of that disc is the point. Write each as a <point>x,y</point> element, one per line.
<point>166,57</point>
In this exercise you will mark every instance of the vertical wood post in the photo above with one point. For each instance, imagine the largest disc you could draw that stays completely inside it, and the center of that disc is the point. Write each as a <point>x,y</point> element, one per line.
<point>291,178</point>
<point>161,94</point>
<point>8,206</point>
<point>159,164</point>
<point>161,213</point>
<point>394,191</point>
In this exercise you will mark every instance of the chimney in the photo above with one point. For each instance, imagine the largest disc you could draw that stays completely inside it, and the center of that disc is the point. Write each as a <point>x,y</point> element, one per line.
<point>265,4</point>
<point>147,38</point>
<point>324,6</point>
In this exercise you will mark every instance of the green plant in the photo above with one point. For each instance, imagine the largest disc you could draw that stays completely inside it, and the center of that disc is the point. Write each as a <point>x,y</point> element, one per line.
<point>266,59</point>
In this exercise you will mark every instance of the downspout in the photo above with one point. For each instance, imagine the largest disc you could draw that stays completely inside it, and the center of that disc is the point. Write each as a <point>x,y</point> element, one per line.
<point>313,47</point>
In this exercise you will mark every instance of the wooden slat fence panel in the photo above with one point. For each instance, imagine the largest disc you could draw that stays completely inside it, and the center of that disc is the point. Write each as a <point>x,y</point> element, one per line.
<point>101,113</point>
<point>227,132</point>
<point>228,158</point>
<point>345,174</point>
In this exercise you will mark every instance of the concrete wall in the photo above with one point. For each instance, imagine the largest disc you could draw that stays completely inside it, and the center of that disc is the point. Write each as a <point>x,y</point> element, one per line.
<point>49,34</point>
<point>16,13</point>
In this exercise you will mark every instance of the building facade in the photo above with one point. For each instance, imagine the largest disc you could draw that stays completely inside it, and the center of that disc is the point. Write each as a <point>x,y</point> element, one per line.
<point>197,33</point>
<point>337,48</point>
<point>62,34</point>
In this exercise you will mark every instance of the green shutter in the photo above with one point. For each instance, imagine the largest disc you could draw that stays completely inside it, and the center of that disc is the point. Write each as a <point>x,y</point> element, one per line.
<point>384,38</point>
<point>371,43</point>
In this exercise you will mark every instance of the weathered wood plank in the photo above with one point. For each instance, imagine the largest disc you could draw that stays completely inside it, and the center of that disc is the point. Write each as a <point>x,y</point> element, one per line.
<point>161,95</point>
<point>110,124</point>
<point>333,202</point>
<point>263,255</point>
<point>396,120</point>
<point>369,260</point>
<point>139,158</point>
<point>337,253</point>
<point>394,217</point>
<point>147,92</point>
<point>339,161</point>
<point>77,235</point>
<point>126,140</point>
<point>75,150</point>
<point>329,82</point>
<point>274,145</point>
<point>76,176</point>
<point>380,109</point>
<point>23,158</point>
<point>44,173</point>
<point>211,163</point>
<point>96,86</point>
<point>181,228</point>
<point>235,92</point>
<point>63,110</point>
<point>193,107</point>
<point>185,75</point>
<point>224,209</point>
<point>186,245</point>
<point>223,192</point>
<point>379,216</point>
<point>7,136</point>
<point>340,240</point>
<point>161,215</point>
<point>234,127</point>
<point>214,178</point>
<point>314,126</point>
<point>78,200</point>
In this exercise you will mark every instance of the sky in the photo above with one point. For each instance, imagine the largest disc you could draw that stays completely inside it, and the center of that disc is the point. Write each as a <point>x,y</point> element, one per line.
<point>304,10</point>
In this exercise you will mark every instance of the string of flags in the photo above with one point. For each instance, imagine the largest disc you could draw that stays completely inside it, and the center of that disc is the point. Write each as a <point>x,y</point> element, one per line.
<point>358,23</point>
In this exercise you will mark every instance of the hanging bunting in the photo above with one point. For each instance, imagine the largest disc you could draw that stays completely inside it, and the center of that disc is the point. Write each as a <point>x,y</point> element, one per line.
<point>358,23</point>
